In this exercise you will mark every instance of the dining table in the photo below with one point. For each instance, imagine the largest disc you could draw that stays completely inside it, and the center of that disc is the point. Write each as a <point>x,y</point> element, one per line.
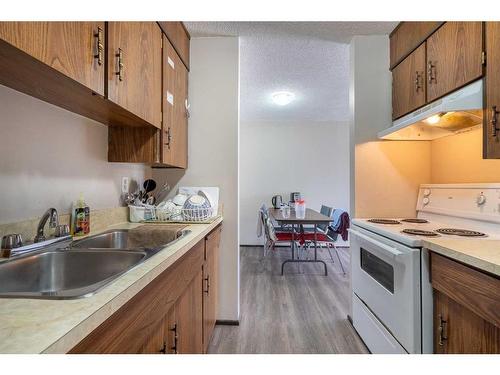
<point>311,217</point>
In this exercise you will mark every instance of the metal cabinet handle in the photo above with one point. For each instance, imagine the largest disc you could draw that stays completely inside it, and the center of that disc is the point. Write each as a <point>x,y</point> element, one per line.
<point>169,137</point>
<point>207,279</point>
<point>99,35</point>
<point>431,70</point>
<point>442,330</point>
<point>121,65</point>
<point>418,84</point>
<point>163,349</point>
<point>493,121</point>
<point>176,337</point>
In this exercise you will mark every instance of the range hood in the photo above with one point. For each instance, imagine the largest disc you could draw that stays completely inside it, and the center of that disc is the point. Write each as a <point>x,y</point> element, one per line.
<point>454,113</point>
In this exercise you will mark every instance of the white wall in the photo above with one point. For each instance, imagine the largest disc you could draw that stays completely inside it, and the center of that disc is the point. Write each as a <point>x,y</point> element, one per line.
<point>385,175</point>
<point>213,149</point>
<point>281,157</point>
<point>49,155</point>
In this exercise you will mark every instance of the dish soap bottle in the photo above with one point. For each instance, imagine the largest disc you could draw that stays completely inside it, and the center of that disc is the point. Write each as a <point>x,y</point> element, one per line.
<point>80,218</point>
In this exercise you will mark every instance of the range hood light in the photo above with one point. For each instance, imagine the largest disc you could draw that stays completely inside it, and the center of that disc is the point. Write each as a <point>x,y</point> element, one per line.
<point>434,119</point>
<point>456,112</point>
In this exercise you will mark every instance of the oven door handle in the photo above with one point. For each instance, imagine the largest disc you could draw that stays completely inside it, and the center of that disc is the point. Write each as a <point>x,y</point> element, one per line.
<point>392,251</point>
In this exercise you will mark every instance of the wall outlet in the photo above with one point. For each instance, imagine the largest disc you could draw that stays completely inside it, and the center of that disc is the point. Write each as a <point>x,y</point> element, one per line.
<point>125,185</point>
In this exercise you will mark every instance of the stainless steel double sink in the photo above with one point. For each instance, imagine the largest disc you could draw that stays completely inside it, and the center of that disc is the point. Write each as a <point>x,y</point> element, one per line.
<point>81,268</point>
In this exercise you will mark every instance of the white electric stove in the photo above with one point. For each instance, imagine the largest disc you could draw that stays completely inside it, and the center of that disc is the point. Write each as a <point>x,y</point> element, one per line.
<point>392,295</point>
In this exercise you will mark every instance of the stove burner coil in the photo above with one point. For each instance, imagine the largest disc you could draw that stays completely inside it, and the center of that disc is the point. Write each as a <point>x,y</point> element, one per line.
<point>419,232</point>
<point>384,221</point>
<point>416,221</point>
<point>460,232</point>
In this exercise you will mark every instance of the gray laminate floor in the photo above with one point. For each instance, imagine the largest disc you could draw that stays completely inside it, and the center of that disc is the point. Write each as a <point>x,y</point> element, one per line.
<point>296,313</point>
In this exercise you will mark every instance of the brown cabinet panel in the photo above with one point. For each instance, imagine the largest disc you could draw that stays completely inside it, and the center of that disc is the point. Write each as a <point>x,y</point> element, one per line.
<point>457,330</point>
<point>210,284</point>
<point>407,36</point>
<point>179,37</point>
<point>491,143</point>
<point>409,83</point>
<point>453,57</point>
<point>175,124</point>
<point>132,329</point>
<point>476,290</point>
<point>69,47</point>
<point>155,342</point>
<point>189,317</point>
<point>134,68</point>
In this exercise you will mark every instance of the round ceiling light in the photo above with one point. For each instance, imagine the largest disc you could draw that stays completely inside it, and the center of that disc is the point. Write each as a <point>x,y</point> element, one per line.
<point>282,97</point>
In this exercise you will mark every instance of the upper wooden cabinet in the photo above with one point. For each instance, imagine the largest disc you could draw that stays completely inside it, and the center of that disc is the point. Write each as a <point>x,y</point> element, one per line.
<point>454,57</point>
<point>134,68</point>
<point>175,124</point>
<point>76,49</point>
<point>491,129</point>
<point>409,83</point>
<point>179,37</point>
<point>407,36</point>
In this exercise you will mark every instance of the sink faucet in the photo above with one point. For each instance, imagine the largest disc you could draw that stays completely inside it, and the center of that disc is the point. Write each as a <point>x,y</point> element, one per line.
<point>53,217</point>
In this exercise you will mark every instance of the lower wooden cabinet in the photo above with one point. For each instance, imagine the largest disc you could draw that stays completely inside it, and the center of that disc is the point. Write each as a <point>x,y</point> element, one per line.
<point>210,284</point>
<point>189,318</point>
<point>466,308</point>
<point>169,315</point>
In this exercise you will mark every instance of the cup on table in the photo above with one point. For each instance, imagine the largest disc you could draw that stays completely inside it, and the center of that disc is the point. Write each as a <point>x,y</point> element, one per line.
<point>285,211</point>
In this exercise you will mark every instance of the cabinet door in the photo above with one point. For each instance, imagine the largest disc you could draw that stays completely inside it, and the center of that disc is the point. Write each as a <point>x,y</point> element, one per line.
<point>75,49</point>
<point>155,342</point>
<point>134,68</point>
<point>491,144</point>
<point>458,330</point>
<point>210,284</point>
<point>408,83</point>
<point>188,318</point>
<point>453,57</point>
<point>175,81</point>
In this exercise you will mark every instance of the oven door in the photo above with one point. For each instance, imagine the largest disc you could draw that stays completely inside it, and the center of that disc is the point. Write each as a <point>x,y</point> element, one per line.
<point>386,278</point>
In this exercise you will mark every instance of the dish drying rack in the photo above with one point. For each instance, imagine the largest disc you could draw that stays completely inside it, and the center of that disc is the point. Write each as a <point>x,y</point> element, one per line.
<point>152,214</point>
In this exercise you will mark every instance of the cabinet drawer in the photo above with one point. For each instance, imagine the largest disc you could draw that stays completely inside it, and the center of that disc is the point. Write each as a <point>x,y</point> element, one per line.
<point>475,290</point>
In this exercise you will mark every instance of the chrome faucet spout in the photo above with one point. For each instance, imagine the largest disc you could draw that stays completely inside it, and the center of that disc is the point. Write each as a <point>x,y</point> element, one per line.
<point>53,218</point>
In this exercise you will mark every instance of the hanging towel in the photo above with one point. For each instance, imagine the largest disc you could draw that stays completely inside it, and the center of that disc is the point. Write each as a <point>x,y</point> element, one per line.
<point>340,224</point>
<point>260,221</point>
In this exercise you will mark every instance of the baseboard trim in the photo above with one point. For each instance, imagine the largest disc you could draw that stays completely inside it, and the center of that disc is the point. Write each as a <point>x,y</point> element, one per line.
<point>227,322</point>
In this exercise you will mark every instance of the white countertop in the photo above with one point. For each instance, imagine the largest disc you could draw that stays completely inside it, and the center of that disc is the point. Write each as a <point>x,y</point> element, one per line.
<point>483,254</point>
<point>56,326</point>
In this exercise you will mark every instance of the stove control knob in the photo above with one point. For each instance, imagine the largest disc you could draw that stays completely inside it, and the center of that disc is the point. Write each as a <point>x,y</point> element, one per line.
<point>425,201</point>
<point>427,192</point>
<point>481,199</point>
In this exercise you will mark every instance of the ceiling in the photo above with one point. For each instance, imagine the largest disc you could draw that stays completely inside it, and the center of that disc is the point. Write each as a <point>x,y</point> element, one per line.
<point>310,59</point>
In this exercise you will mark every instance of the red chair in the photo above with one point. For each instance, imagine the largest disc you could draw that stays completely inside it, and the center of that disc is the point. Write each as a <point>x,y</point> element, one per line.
<point>307,239</point>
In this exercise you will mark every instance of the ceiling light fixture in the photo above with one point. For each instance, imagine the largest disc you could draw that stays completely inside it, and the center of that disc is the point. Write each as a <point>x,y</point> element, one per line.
<point>282,97</point>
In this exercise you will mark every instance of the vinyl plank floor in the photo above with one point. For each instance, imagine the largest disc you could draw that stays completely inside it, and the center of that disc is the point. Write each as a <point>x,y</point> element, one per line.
<point>300,312</point>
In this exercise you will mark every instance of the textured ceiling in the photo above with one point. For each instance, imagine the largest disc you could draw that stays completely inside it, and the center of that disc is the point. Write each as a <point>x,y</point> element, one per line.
<point>310,59</point>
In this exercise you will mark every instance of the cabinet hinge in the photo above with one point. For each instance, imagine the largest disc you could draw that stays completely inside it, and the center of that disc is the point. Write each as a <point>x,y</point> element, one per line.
<point>161,42</point>
<point>483,58</point>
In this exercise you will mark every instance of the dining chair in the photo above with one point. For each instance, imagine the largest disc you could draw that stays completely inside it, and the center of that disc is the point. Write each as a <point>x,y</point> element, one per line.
<point>273,237</point>
<point>325,236</point>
